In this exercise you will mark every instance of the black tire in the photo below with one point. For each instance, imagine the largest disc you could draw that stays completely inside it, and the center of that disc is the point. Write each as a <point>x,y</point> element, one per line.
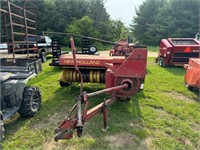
<point>93,50</point>
<point>156,60</point>
<point>189,87</point>
<point>2,130</point>
<point>65,84</point>
<point>161,62</point>
<point>31,102</point>
<point>43,56</point>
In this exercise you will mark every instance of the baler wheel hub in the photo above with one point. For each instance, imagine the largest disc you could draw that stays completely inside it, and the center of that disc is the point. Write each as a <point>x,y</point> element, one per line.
<point>133,86</point>
<point>129,83</point>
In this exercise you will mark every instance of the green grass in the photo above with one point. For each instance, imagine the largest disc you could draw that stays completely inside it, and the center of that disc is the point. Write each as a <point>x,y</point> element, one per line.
<point>153,48</point>
<point>165,115</point>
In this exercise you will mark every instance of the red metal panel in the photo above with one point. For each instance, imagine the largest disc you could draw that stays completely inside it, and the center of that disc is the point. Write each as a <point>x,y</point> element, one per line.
<point>195,62</point>
<point>165,50</point>
<point>192,76</point>
<point>109,79</point>
<point>134,66</point>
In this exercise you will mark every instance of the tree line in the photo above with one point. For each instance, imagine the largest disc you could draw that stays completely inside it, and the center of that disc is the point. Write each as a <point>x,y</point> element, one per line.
<point>158,19</point>
<point>84,17</point>
<point>154,19</point>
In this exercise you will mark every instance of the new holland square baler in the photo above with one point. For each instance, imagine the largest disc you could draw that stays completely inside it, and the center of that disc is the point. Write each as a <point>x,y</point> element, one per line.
<point>177,51</point>
<point>123,77</point>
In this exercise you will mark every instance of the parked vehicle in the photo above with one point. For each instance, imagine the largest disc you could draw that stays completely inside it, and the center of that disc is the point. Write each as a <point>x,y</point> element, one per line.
<point>15,95</point>
<point>3,48</point>
<point>41,45</point>
<point>177,51</point>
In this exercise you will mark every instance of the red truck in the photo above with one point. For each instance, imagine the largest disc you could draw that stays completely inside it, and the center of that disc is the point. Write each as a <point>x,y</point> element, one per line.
<point>177,51</point>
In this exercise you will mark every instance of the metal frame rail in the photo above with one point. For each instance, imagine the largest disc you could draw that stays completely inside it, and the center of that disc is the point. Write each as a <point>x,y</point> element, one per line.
<point>19,23</point>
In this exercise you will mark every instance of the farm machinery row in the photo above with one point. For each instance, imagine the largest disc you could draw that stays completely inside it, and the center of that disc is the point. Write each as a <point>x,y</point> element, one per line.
<point>123,73</point>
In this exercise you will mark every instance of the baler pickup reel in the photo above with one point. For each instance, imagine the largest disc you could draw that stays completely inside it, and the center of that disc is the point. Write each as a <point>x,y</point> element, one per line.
<point>123,78</point>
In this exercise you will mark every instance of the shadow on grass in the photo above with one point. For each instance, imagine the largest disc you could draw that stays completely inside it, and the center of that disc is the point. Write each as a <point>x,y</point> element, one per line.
<point>197,93</point>
<point>126,121</point>
<point>176,70</point>
<point>44,75</point>
<point>148,71</point>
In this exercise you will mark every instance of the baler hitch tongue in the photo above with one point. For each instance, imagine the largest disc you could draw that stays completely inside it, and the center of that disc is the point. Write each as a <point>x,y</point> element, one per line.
<point>76,122</point>
<point>64,134</point>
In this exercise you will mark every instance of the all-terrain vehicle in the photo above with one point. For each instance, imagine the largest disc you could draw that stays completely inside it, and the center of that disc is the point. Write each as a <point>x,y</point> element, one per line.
<point>15,95</point>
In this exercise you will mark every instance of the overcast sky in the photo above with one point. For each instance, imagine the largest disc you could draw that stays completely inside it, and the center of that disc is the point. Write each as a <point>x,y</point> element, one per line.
<point>122,9</point>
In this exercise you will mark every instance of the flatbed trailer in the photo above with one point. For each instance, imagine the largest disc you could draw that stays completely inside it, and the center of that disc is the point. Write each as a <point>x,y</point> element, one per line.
<point>18,55</point>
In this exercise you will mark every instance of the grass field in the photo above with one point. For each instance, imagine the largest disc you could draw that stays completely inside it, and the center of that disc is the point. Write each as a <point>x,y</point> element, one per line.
<point>165,115</point>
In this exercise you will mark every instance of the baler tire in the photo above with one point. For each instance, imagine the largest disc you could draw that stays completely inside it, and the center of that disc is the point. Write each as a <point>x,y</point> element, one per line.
<point>64,84</point>
<point>189,87</point>
<point>43,56</point>
<point>161,62</point>
<point>31,102</point>
<point>2,130</point>
<point>156,60</point>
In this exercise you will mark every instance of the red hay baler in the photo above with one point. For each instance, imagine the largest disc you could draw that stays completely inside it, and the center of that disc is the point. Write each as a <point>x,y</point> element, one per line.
<point>123,48</point>
<point>177,51</point>
<point>123,77</point>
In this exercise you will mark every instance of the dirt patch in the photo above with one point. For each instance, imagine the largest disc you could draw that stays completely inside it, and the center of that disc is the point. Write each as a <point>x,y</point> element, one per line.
<point>50,120</point>
<point>50,144</point>
<point>184,141</point>
<point>104,53</point>
<point>120,140</point>
<point>180,96</point>
<point>127,141</point>
<point>152,54</point>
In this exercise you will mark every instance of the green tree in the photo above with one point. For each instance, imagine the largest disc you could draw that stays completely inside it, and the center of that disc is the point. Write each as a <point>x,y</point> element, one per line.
<point>145,17</point>
<point>117,30</point>
<point>98,13</point>
<point>83,26</point>
<point>61,15</point>
<point>157,19</point>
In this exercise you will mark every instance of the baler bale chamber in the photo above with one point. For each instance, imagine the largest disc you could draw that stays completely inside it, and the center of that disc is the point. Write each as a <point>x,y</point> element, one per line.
<point>108,70</point>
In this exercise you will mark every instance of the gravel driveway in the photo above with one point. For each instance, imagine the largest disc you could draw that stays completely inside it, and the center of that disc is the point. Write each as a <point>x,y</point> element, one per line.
<point>150,54</point>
